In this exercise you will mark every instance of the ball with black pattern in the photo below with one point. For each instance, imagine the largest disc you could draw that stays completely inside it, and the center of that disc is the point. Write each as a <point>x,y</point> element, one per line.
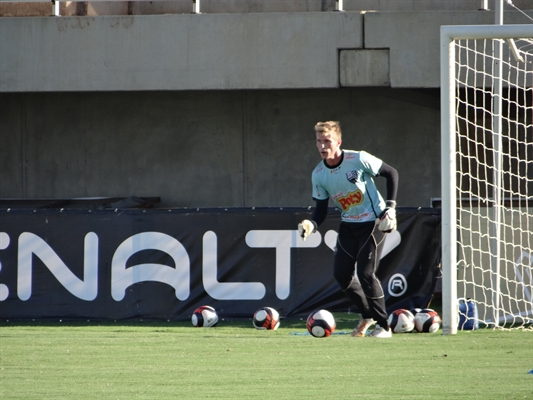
<point>401,321</point>
<point>321,323</point>
<point>266,318</point>
<point>204,317</point>
<point>427,320</point>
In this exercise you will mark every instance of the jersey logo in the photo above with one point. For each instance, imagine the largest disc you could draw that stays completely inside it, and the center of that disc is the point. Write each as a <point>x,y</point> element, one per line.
<point>352,199</point>
<point>352,176</point>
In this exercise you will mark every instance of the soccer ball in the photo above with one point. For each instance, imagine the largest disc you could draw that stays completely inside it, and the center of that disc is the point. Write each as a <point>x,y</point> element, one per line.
<point>321,323</point>
<point>415,311</point>
<point>266,318</point>
<point>427,320</point>
<point>204,316</point>
<point>401,321</point>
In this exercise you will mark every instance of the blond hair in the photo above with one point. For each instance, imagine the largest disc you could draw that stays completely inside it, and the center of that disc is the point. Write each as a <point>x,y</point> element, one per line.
<point>329,127</point>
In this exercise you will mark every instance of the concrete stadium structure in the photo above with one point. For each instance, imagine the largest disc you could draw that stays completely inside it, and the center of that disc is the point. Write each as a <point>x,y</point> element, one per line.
<point>217,109</point>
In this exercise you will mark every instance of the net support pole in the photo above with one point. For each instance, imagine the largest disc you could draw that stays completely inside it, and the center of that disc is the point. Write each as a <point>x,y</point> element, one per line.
<point>448,186</point>
<point>498,168</point>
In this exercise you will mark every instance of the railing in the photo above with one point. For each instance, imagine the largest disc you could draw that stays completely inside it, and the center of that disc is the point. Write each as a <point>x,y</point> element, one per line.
<point>339,4</point>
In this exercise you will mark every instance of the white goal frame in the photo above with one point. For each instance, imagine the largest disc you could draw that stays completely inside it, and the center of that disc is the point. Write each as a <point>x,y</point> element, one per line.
<point>448,36</point>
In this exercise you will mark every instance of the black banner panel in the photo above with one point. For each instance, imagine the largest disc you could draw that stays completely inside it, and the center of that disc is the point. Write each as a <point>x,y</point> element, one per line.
<point>163,264</point>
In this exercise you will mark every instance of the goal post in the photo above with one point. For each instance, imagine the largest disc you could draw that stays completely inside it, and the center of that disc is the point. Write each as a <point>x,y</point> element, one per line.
<point>487,173</point>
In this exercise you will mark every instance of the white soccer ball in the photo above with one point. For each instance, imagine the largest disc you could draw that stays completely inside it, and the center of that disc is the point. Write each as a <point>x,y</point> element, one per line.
<point>266,318</point>
<point>427,320</point>
<point>401,321</point>
<point>204,316</point>
<point>415,311</point>
<point>321,323</point>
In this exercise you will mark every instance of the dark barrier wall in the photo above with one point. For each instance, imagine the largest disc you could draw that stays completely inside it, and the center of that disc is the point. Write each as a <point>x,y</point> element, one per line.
<point>162,264</point>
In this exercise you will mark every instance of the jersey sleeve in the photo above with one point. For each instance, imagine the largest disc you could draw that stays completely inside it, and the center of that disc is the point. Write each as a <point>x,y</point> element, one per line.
<point>370,163</point>
<point>319,192</point>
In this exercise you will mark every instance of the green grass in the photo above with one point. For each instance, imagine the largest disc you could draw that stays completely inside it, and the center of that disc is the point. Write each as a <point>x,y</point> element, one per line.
<point>148,360</point>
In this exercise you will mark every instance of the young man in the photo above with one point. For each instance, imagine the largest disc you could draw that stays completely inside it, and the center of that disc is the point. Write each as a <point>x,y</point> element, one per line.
<point>346,176</point>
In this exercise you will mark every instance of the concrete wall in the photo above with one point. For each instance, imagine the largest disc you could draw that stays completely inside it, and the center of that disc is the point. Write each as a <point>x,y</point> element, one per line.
<point>413,41</point>
<point>208,148</point>
<point>216,110</point>
<point>223,51</point>
<point>175,52</point>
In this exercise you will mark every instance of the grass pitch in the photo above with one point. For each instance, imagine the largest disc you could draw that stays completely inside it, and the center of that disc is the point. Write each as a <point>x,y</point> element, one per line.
<point>147,360</point>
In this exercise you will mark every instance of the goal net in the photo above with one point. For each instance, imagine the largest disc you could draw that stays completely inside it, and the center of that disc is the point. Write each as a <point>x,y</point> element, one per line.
<point>487,174</point>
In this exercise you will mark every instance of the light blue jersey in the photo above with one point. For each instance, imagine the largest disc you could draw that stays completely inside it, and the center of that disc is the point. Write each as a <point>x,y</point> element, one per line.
<point>351,186</point>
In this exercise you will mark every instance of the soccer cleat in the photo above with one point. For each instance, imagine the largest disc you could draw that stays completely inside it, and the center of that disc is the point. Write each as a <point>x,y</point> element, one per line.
<point>381,333</point>
<point>362,326</point>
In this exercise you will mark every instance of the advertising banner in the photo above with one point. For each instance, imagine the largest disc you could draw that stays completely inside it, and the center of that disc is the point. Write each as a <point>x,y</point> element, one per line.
<point>164,263</point>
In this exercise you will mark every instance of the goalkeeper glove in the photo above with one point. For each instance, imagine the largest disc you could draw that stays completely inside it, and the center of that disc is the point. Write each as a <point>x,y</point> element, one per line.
<point>306,227</point>
<point>387,220</point>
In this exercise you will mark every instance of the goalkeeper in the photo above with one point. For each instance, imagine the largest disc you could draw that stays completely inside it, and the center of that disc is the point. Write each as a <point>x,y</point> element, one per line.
<point>346,176</point>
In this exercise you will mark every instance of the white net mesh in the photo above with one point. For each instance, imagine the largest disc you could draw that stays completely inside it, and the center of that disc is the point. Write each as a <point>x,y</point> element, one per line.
<point>494,127</point>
